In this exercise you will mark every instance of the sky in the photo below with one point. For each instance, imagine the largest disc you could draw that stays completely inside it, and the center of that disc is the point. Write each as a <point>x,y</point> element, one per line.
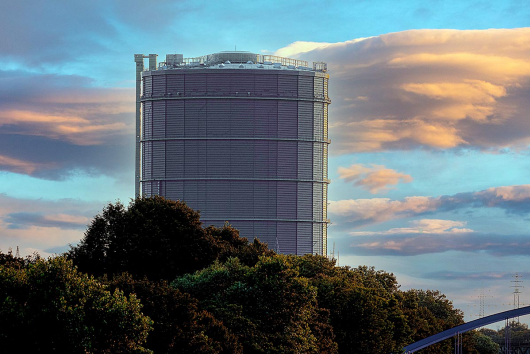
<point>429,124</point>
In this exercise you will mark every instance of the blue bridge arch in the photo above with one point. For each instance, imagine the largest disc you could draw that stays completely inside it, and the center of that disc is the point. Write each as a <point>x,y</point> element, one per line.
<point>481,322</point>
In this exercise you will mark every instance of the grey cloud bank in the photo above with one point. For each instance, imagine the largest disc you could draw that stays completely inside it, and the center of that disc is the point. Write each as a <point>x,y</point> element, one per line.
<point>354,213</point>
<point>413,244</point>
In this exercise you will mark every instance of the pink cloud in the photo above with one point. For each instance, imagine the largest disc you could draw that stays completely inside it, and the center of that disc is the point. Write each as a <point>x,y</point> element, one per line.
<point>413,244</point>
<point>376,178</point>
<point>513,199</point>
<point>39,225</point>
<point>506,193</point>
<point>381,209</point>
<point>423,226</point>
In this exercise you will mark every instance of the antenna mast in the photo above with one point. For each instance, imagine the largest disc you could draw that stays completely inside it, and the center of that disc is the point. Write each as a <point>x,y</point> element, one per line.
<point>516,291</point>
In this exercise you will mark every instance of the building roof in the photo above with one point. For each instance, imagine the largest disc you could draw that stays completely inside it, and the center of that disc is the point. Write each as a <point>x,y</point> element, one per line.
<point>239,60</point>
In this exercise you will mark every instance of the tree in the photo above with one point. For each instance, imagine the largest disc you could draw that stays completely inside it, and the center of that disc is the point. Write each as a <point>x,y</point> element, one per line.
<point>484,344</point>
<point>519,335</point>
<point>429,312</point>
<point>269,306</point>
<point>157,238</point>
<point>232,245</point>
<point>49,306</point>
<point>179,325</point>
<point>363,304</point>
<point>10,261</point>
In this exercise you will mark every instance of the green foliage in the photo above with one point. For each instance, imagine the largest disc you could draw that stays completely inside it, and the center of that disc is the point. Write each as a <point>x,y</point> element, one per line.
<point>363,305</point>
<point>360,309</point>
<point>48,306</point>
<point>231,245</point>
<point>179,325</point>
<point>519,334</point>
<point>430,312</point>
<point>156,238</point>
<point>8,260</point>
<point>269,306</point>
<point>484,344</point>
<point>229,296</point>
<point>153,237</point>
<point>496,336</point>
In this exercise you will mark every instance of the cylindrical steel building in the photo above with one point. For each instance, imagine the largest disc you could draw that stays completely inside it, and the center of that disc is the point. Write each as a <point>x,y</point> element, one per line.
<point>244,142</point>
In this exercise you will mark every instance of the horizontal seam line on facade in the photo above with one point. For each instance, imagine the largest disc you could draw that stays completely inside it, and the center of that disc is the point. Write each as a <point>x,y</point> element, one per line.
<point>228,71</point>
<point>144,99</point>
<point>251,219</point>
<point>232,179</point>
<point>220,138</point>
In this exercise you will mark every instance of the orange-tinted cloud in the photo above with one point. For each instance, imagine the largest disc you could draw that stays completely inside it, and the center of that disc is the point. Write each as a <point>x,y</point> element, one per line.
<point>20,166</point>
<point>53,125</point>
<point>80,118</point>
<point>473,99</point>
<point>67,218</point>
<point>376,178</point>
<point>433,88</point>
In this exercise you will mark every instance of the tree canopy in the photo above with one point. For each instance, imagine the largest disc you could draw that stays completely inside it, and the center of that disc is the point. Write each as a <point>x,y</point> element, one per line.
<point>268,306</point>
<point>179,325</point>
<point>166,284</point>
<point>48,305</point>
<point>157,238</point>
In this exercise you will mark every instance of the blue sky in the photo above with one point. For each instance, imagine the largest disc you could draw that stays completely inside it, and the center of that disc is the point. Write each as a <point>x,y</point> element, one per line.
<point>429,122</point>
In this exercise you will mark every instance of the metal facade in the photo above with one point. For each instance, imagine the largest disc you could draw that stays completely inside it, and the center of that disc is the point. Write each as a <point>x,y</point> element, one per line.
<point>248,146</point>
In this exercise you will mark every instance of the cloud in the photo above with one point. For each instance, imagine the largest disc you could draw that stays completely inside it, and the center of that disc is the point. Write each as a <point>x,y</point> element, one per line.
<point>473,99</point>
<point>368,211</point>
<point>357,212</point>
<point>23,220</point>
<point>74,129</point>
<point>51,125</point>
<point>438,89</point>
<point>57,160</point>
<point>19,166</point>
<point>23,212</point>
<point>295,49</point>
<point>38,224</point>
<point>427,226</point>
<point>413,244</point>
<point>57,250</point>
<point>62,107</point>
<point>43,240</point>
<point>54,27</point>
<point>447,275</point>
<point>376,178</point>
<point>427,236</point>
<point>506,193</point>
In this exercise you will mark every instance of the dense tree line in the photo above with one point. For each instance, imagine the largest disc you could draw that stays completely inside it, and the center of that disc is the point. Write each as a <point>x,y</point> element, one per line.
<point>48,306</point>
<point>491,340</point>
<point>150,278</point>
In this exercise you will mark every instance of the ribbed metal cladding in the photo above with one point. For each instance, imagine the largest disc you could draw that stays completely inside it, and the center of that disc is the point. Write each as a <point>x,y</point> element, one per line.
<point>246,146</point>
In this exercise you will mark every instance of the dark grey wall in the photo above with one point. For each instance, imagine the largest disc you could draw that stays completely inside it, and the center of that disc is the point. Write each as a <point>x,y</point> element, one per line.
<point>245,146</point>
